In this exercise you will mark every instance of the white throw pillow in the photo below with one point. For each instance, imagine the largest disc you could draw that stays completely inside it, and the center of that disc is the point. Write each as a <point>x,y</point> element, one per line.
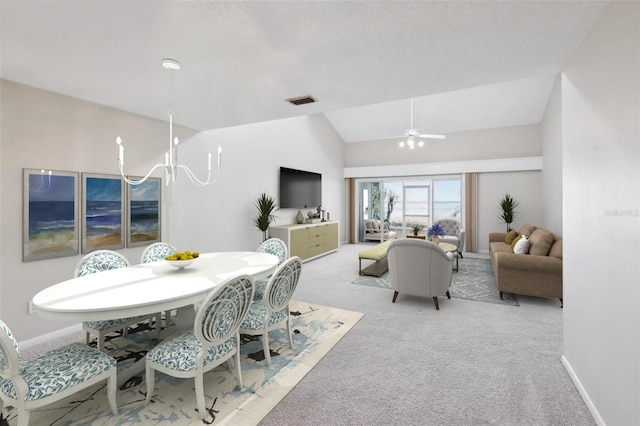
<point>522,246</point>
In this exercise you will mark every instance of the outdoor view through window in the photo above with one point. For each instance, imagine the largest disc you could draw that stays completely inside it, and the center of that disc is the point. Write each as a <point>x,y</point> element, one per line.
<point>406,203</point>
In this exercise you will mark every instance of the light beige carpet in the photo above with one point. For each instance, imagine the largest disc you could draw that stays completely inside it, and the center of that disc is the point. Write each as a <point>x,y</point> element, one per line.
<point>317,329</point>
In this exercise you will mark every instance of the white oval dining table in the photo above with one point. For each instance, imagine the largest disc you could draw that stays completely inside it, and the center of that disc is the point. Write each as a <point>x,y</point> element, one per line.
<point>146,288</point>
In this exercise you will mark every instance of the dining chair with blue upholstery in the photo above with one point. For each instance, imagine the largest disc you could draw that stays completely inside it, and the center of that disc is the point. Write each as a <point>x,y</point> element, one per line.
<point>276,247</point>
<point>157,251</point>
<point>272,311</point>
<point>213,340</point>
<point>50,376</point>
<point>104,260</point>
<point>153,253</point>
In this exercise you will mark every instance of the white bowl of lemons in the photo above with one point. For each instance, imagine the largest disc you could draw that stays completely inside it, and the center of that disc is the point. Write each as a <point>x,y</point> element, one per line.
<point>183,259</point>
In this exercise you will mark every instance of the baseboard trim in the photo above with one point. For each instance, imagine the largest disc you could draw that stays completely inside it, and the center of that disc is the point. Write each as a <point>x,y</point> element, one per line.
<point>50,336</point>
<point>582,391</point>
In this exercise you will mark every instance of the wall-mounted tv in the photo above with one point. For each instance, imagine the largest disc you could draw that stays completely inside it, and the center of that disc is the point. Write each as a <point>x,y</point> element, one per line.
<point>300,189</point>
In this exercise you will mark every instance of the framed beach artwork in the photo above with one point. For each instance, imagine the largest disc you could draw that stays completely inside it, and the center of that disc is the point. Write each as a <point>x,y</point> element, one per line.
<point>144,206</point>
<point>50,214</point>
<point>102,212</point>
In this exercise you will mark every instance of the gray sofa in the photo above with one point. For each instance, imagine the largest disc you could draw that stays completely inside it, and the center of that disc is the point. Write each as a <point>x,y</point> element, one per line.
<point>538,273</point>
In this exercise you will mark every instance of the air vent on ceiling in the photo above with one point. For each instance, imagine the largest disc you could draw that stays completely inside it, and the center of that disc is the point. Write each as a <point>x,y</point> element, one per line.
<point>301,100</point>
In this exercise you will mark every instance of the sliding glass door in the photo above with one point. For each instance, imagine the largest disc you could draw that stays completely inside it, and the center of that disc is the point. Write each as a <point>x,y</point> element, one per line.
<point>402,203</point>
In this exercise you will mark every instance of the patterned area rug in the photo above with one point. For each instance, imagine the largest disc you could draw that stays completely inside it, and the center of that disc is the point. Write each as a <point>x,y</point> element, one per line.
<point>474,281</point>
<point>317,329</point>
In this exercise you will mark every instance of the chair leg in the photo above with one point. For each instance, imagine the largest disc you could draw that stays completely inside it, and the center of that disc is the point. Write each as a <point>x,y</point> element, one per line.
<point>461,256</point>
<point>500,295</point>
<point>100,342</point>
<point>289,331</point>
<point>111,391</point>
<point>202,409</point>
<point>23,416</point>
<point>448,295</point>
<point>238,369</point>
<point>435,300</point>
<point>395,295</point>
<point>87,339</point>
<point>150,377</point>
<point>265,347</point>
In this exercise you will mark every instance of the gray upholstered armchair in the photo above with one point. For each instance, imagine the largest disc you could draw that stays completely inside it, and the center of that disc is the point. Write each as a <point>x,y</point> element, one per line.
<point>454,231</point>
<point>419,268</point>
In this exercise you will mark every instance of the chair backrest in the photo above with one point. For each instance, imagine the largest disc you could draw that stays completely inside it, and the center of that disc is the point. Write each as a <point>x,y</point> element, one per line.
<point>419,268</point>
<point>100,260</point>
<point>9,353</point>
<point>282,284</point>
<point>156,251</point>
<point>450,226</point>
<point>276,247</point>
<point>224,309</point>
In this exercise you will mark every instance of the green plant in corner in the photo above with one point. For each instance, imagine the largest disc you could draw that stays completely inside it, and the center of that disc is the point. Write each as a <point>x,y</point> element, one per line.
<point>266,205</point>
<point>509,213</point>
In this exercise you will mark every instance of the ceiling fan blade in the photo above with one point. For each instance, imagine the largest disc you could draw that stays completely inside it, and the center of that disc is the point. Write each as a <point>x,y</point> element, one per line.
<point>393,137</point>
<point>425,136</point>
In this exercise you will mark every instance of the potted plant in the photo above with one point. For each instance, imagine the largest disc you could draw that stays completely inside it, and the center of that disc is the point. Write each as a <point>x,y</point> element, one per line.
<point>509,213</point>
<point>266,205</point>
<point>435,233</point>
<point>417,228</point>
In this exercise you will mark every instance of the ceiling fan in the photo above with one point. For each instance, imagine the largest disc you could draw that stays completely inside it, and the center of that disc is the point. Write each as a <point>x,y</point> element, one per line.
<point>413,136</point>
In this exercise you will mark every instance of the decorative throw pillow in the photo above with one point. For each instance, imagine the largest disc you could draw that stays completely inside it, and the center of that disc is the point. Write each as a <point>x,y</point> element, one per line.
<point>511,235</point>
<point>514,242</point>
<point>522,246</point>
<point>556,249</point>
<point>527,230</point>
<point>541,242</point>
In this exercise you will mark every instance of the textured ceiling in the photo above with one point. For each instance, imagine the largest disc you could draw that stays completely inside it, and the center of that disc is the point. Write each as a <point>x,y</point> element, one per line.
<point>241,60</point>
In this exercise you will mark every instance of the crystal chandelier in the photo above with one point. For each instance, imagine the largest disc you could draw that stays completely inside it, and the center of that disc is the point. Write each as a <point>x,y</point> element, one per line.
<point>170,165</point>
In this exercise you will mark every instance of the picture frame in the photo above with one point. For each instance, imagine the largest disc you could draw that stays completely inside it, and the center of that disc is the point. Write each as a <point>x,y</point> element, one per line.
<point>103,212</point>
<point>144,212</point>
<point>50,220</point>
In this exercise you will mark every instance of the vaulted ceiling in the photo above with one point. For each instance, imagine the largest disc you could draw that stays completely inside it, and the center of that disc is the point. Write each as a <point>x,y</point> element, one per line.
<point>469,64</point>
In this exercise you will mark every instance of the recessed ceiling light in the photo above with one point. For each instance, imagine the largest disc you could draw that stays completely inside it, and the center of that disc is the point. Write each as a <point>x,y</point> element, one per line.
<point>171,64</point>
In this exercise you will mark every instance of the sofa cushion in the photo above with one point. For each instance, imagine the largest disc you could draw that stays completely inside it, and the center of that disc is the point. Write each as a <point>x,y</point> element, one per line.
<point>527,230</point>
<point>375,225</point>
<point>541,242</point>
<point>556,249</point>
<point>511,235</point>
<point>522,246</point>
<point>514,242</point>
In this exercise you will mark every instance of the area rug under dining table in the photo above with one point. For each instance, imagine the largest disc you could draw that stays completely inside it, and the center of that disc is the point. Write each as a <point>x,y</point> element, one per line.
<point>317,329</point>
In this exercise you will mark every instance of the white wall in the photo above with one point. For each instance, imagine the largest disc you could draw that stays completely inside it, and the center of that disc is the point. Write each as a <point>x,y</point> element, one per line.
<point>506,160</point>
<point>601,181</point>
<point>525,187</point>
<point>41,129</point>
<point>507,142</point>
<point>552,163</point>
<point>45,130</point>
<point>220,216</point>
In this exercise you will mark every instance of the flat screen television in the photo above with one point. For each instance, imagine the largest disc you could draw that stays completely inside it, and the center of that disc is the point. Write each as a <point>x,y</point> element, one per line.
<point>300,189</point>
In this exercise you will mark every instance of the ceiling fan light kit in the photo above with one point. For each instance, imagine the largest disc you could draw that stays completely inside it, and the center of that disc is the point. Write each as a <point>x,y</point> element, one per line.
<point>413,134</point>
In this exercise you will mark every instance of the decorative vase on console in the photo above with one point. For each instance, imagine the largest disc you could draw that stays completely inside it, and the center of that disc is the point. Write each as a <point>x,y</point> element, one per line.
<point>299,217</point>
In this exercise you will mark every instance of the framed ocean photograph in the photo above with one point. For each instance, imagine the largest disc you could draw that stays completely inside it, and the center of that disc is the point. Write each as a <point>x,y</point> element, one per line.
<point>50,214</point>
<point>102,212</point>
<point>144,207</point>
